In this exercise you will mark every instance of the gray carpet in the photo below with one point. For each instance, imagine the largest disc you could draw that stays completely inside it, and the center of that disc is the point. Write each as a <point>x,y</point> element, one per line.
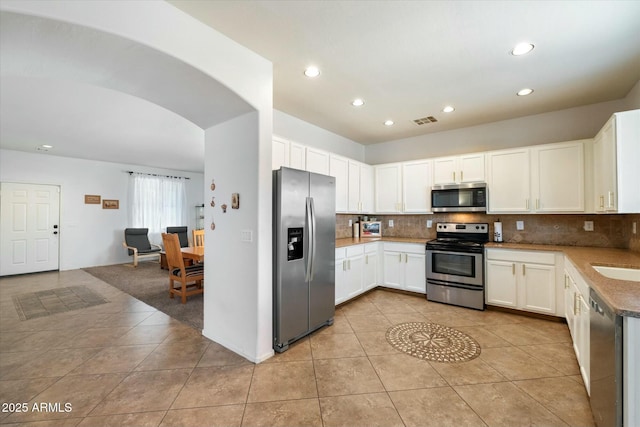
<point>150,284</point>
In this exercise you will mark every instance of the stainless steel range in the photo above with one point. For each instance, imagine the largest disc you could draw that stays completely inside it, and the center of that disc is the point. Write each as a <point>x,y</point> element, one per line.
<point>455,264</point>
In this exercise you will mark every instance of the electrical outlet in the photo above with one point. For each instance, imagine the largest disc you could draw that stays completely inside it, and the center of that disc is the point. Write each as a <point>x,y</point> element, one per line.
<point>634,228</point>
<point>588,226</point>
<point>520,225</point>
<point>390,223</point>
<point>429,223</point>
<point>350,223</point>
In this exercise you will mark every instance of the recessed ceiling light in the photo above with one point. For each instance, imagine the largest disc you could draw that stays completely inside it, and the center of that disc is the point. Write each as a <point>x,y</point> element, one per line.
<point>312,72</point>
<point>357,102</point>
<point>448,109</point>
<point>388,123</point>
<point>525,92</point>
<point>521,49</point>
<point>47,146</point>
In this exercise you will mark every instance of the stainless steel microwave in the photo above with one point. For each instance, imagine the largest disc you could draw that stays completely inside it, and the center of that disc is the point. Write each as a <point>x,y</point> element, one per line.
<point>471,197</point>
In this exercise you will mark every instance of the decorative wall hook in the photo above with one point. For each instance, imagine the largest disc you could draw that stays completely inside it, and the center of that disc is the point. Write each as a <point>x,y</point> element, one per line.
<point>224,208</point>
<point>213,202</point>
<point>213,185</point>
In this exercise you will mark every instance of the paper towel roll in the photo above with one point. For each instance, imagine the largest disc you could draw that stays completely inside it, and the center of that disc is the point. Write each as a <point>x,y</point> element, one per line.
<point>497,232</point>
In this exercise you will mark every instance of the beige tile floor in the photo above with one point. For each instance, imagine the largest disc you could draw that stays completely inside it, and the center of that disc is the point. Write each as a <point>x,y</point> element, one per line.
<point>124,363</point>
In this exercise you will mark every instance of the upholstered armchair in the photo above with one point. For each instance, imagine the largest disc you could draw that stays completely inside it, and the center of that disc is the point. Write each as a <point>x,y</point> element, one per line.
<point>136,241</point>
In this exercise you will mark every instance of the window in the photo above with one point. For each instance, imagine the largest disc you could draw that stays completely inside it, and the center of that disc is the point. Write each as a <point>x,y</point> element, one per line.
<point>157,202</point>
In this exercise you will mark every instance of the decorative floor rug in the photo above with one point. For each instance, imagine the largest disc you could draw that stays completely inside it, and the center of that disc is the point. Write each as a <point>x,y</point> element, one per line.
<point>59,300</point>
<point>433,342</point>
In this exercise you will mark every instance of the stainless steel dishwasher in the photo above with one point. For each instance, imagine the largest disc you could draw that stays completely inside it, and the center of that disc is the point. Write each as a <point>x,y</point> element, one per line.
<point>606,363</point>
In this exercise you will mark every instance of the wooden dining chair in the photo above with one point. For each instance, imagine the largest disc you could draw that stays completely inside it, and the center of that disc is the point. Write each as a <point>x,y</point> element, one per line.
<point>198,237</point>
<point>190,278</point>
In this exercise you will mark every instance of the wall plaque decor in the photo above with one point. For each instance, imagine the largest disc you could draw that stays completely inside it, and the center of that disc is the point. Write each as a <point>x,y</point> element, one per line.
<point>235,201</point>
<point>91,199</point>
<point>110,204</point>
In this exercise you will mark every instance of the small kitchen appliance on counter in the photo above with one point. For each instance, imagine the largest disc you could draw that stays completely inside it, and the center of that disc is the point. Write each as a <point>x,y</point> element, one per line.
<point>370,229</point>
<point>455,264</point>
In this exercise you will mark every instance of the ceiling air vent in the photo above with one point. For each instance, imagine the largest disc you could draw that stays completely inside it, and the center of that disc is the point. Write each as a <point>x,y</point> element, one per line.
<point>425,120</point>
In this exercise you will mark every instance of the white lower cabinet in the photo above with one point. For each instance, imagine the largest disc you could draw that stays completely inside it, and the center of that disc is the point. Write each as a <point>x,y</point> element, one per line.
<point>360,268</point>
<point>404,266</point>
<point>356,270</point>
<point>576,294</point>
<point>522,280</point>
<point>349,266</point>
<point>370,267</point>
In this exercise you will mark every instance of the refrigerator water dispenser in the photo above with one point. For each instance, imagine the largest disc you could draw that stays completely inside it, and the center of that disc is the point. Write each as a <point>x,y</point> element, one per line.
<point>294,244</point>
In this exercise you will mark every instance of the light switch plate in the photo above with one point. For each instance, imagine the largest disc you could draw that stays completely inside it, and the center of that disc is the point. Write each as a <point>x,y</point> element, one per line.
<point>390,223</point>
<point>350,223</point>
<point>588,226</point>
<point>520,225</point>
<point>429,223</point>
<point>246,235</point>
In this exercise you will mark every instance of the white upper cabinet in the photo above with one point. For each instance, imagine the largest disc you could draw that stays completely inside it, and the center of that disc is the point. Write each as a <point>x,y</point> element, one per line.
<point>508,180</point>
<point>287,153</point>
<point>297,155</point>
<point>416,186</point>
<point>339,169</point>
<point>279,153</point>
<point>388,188</point>
<point>557,177</point>
<point>317,161</point>
<point>459,169</point>
<point>616,160</point>
<point>538,179</point>
<point>366,188</point>
<point>360,187</point>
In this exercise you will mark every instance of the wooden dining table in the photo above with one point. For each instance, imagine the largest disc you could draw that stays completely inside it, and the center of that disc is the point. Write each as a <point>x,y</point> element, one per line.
<point>195,253</point>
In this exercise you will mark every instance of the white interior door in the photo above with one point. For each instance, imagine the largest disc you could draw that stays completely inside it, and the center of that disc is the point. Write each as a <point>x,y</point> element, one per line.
<point>29,225</point>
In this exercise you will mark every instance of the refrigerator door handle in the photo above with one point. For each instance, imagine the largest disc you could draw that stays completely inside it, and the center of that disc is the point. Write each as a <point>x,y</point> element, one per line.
<point>310,239</point>
<point>312,257</point>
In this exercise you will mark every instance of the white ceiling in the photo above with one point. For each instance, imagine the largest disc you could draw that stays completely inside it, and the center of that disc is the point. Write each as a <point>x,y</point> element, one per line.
<point>97,96</point>
<point>408,59</point>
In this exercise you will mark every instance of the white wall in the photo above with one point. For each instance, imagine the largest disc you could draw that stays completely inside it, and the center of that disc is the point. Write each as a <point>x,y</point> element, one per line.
<point>89,235</point>
<point>632,100</point>
<point>556,126</point>
<point>251,78</point>
<point>233,296</point>
<point>297,130</point>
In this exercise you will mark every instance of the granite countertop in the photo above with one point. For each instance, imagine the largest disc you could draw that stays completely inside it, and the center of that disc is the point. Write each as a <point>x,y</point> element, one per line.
<point>350,241</point>
<point>623,296</point>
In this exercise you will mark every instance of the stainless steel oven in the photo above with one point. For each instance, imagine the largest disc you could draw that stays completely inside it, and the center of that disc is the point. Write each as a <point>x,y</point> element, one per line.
<point>455,264</point>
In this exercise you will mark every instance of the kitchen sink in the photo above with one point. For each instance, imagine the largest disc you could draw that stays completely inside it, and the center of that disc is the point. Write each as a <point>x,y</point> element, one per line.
<point>619,273</point>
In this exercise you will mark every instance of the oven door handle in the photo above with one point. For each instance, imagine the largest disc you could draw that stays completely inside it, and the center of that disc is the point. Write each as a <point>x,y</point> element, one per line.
<point>456,285</point>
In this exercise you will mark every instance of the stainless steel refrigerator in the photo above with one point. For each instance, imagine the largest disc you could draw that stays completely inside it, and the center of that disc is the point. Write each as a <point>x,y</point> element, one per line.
<point>304,223</point>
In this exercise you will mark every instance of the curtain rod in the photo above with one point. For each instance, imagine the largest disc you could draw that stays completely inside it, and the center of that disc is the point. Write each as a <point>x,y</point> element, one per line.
<point>157,174</point>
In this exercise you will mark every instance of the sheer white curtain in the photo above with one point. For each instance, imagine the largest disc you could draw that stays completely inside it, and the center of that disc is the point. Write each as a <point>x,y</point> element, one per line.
<point>157,202</point>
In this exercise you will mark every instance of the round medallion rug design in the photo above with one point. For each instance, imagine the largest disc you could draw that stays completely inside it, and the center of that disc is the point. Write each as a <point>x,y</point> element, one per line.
<point>433,342</point>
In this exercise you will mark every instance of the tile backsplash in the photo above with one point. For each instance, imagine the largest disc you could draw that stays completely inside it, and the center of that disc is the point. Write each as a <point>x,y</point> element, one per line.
<point>609,231</point>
